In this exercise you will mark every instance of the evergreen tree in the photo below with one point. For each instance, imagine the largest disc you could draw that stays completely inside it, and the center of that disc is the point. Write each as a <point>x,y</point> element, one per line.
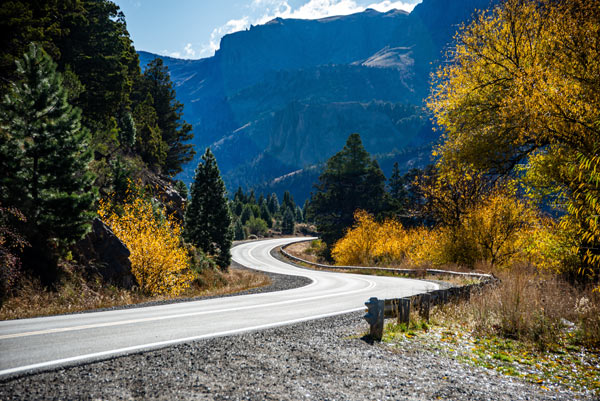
<point>396,183</point>
<point>288,201</point>
<point>149,141</point>
<point>247,214</point>
<point>239,196</point>
<point>298,215</point>
<point>287,224</point>
<point>273,204</point>
<point>238,231</point>
<point>207,222</point>
<point>181,188</point>
<point>43,146</point>
<point>266,215</point>
<point>351,180</point>
<point>156,82</point>
<point>305,212</point>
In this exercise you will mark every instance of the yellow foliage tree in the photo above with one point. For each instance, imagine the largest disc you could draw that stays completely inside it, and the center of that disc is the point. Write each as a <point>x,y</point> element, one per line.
<point>159,262</point>
<point>522,93</point>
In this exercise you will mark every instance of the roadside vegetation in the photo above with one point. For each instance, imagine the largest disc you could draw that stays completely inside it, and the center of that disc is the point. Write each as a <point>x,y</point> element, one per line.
<point>266,217</point>
<point>87,134</point>
<point>513,190</point>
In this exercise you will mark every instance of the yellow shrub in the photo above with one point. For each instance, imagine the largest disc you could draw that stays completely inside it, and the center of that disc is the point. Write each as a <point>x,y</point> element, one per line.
<point>501,231</point>
<point>357,246</point>
<point>159,262</point>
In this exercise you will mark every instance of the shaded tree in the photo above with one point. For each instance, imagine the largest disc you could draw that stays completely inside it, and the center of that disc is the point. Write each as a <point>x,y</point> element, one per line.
<point>288,223</point>
<point>207,222</point>
<point>156,85</point>
<point>44,147</point>
<point>351,180</point>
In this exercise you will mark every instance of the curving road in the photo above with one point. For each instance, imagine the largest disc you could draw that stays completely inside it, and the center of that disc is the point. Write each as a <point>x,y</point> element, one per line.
<point>47,342</point>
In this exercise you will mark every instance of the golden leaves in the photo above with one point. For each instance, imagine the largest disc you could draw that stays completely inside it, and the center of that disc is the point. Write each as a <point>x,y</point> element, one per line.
<point>159,262</point>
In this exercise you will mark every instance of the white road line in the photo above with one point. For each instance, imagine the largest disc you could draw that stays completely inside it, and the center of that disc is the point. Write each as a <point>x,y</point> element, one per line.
<point>165,343</point>
<point>157,318</point>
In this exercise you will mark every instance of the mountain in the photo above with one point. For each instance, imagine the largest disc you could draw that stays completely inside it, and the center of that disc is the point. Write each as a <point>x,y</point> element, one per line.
<point>281,97</point>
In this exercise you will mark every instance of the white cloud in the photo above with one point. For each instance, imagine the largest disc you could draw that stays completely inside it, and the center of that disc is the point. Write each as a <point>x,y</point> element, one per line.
<point>189,51</point>
<point>313,9</point>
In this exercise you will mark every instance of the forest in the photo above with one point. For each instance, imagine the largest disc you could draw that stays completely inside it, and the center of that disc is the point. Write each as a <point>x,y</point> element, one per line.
<point>89,148</point>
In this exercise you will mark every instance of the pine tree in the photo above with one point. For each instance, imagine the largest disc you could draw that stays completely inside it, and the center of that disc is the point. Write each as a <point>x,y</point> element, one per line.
<point>298,215</point>
<point>288,201</point>
<point>43,146</point>
<point>157,83</point>
<point>287,225</point>
<point>396,183</point>
<point>247,214</point>
<point>273,204</point>
<point>238,231</point>
<point>351,180</point>
<point>305,211</point>
<point>207,222</point>
<point>266,215</point>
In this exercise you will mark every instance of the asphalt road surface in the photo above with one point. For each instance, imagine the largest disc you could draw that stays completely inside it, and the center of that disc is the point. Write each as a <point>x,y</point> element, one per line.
<point>41,343</point>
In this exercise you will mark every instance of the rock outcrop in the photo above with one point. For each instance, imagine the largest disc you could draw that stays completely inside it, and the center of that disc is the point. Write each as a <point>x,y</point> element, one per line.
<point>106,255</point>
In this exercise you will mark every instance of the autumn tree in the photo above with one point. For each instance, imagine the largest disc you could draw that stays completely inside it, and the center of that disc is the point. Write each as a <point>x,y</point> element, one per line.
<point>521,96</point>
<point>207,223</point>
<point>351,180</point>
<point>44,149</point>
<point>159,262</point>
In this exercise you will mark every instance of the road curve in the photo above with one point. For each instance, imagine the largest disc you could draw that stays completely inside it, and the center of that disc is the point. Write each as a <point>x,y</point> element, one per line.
<point>41,343</point>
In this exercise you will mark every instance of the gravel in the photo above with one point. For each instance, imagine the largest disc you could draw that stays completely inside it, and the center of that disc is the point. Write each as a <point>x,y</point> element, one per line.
<point>322,360</point>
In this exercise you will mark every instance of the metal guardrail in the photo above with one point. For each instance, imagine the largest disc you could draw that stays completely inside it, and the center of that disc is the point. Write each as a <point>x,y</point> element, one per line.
<point>416,272</point>
<point>380,309</point>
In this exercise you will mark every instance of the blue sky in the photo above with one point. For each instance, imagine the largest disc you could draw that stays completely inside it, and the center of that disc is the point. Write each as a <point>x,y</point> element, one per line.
<point>193,28</point>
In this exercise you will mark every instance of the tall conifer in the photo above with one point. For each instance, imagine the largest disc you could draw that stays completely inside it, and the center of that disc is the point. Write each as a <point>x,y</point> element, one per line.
<point>207,223</point>
<point>351,180</point>
<point>44,148</point>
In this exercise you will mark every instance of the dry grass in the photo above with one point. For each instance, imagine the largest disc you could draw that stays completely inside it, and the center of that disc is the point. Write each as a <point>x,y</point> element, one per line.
<point>75,294</point>
<point>307,250</point>
<point>528,306</point>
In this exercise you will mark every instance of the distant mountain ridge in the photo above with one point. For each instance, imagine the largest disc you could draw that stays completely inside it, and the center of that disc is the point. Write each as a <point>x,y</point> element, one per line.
<point>282,96</point>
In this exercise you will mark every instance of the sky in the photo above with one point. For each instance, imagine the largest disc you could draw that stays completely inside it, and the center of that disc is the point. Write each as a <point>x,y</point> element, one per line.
<point>192,29</point>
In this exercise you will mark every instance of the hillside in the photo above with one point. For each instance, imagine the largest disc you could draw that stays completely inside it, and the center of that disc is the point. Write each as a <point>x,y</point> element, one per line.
<point>279,97</point>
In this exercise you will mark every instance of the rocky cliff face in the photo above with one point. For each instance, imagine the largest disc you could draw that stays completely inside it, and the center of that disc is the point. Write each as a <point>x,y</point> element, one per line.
<point>285,95</point>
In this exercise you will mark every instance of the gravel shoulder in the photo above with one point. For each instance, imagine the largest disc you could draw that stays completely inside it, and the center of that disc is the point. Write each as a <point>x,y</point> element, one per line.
<point>322,359</point>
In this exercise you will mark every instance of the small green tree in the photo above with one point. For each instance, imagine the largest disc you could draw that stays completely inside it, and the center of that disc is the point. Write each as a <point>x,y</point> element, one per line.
<point>257,226</point>
<point>247,214</point>
<point>207,222</point>
<point>238,231</point>
<point>288,223</point>
<point>266,215</point>
<point>44,147</point>
<point>273,204</point>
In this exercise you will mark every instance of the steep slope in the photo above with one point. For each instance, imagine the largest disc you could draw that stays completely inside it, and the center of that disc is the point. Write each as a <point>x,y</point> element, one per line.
<point>285,95</point>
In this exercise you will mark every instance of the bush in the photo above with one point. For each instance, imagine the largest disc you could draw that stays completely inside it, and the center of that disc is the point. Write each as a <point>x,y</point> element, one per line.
<point>159,262</point>
<point>257,226</point>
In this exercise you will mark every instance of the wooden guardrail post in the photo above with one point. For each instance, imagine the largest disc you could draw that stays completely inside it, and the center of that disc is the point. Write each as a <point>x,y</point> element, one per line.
<point>375,317</point>
<point>404,311</point>
<point>424,306</point>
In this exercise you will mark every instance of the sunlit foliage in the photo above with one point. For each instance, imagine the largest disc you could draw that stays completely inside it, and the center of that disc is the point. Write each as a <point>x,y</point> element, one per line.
<point>500,231</point>
<point>159,262</point>
<point>521,95</point>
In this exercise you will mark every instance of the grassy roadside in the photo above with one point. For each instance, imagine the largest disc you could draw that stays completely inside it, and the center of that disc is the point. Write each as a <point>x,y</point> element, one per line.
<point>533,327</point>
<point>75,294</point>
<point>507,329</point>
